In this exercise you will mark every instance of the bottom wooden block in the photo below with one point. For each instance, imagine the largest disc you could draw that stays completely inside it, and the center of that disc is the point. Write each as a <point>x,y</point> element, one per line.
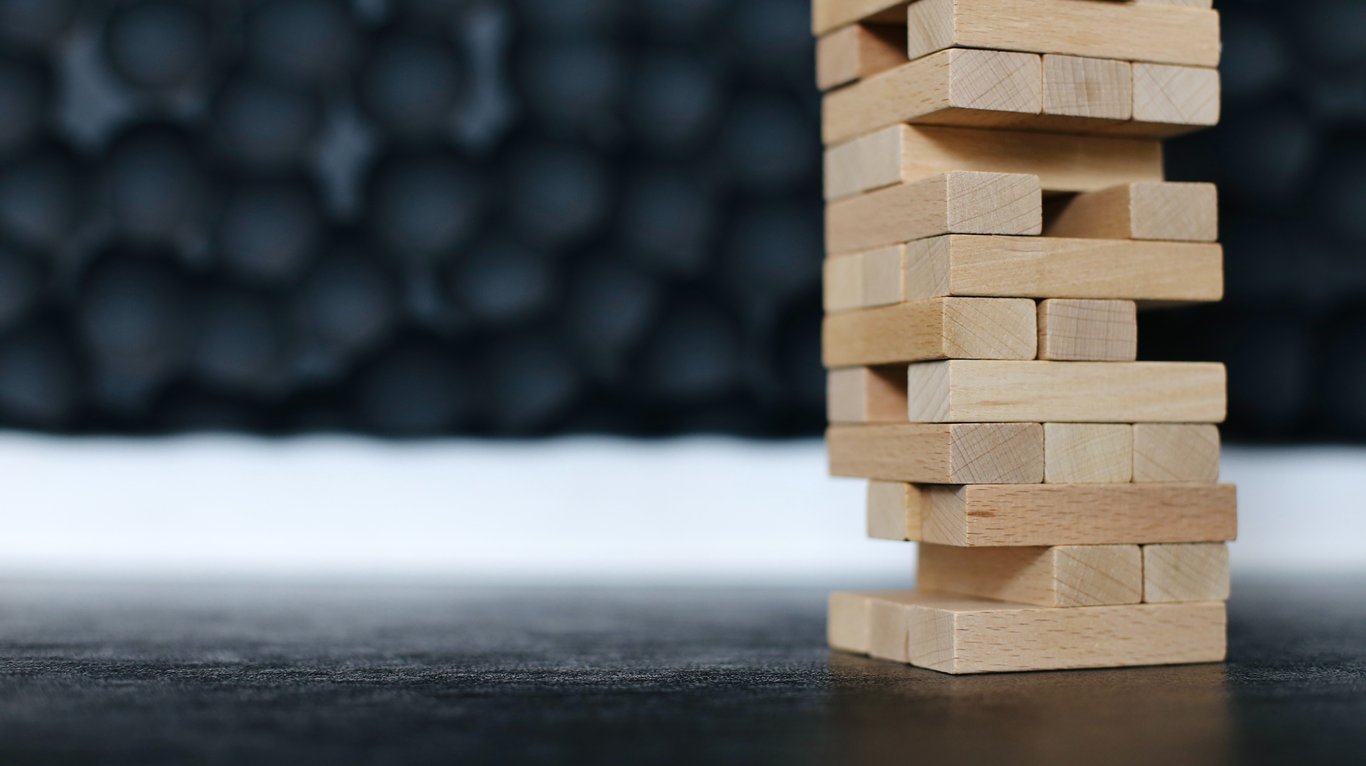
<point>953,634</point>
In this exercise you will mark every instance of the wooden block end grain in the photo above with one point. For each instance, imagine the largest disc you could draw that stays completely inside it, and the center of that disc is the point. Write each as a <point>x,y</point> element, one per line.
<point>1057,576</point>
<point>1177,212</point>
<point>1176,95</point>
<point>894,510</point>
<point>1077,330</point>
<point>866,395</point>
<point>1078,86</point>
<point>1088,453</point>
<point>1184,573</point>
<point>858,51</point>
<point>846,624</point>
<point>1004,453</point>
<point>1168,452</point>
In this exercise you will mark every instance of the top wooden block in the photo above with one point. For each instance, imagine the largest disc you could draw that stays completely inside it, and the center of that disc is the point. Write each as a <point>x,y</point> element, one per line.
<point>828,15</point>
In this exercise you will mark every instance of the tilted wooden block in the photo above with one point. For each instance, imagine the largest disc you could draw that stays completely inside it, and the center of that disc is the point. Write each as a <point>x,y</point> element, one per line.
<point>976,391</point>
<point>1125,31</point>
<point>938,328</point>
<point>864,280</point>
<point>1049,267</point>
<point>1187,212</point>
<point>858,51</point>
<point>984,515</point>
<point>1191,572</point>
<point>1061,575</point>
<point>847,621</point>
<point>1077,86</point>
<point>1176,452</point>
<point>1184,98</point>
<point>997,453</point>
<point>1087,453</point>
<point>866,395</point>
<point>958,202</point>
<point>1080,330</point>
<point>827,15</point>
<point>1063,163</point>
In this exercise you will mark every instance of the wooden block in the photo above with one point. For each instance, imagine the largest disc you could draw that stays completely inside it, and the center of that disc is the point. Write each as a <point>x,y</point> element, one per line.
<point>828,15</point>
<point>1063,163</point>
<point>1075,330</point>
<point>1165,452</point>
<point>1129,32</point>
<point>887,626</point>
<point>1061,575</point>
<point>983,515</point>
<point>894,510</point>
<point>847,621</point>
<point>969,453</point>
<point>953,87</point>
<point>1087,453</point>
<point>939,328</point>
<point>858,51</point>
<point>864,280</point>
<point>1186,212</point>
<point>867,395</point>
<point>1188,3</point>
<point>950,203</point>
<point>1192,572</point>
<point>1076,86</point>
<point>977,391</point>
<point>1176,95</point>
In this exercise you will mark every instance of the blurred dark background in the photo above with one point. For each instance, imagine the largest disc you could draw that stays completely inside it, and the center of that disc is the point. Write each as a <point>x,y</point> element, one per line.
<point>422,217</point>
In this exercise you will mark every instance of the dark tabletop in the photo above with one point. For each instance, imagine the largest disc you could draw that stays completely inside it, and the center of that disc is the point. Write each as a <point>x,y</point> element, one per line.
<point>271,674</point>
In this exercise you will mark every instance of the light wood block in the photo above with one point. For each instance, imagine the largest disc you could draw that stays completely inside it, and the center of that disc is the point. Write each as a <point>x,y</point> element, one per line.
<point>828,15</point>
<point>1060,576</point>
<point>1087,453</point>
<point>952,87</point>
<point>864,280</point>
<point>1192,572</point>
<point>858,51</point>
<point>1074,330</point>
<point>984,515</point>
<point>1188,3</point>
<point>1049,267</point>
<point>950,203</point>
<point>1129,32</point>
<point>938,328</point>
<point>978,391</point>
<point>1186,212</point>
<point>968,453</point>
<point>1077,86</point>
<point>1167,452</point>
<point>1185,97</point>
<point>847,621</point>
<point>1063,163</point>
<point>867,395</point>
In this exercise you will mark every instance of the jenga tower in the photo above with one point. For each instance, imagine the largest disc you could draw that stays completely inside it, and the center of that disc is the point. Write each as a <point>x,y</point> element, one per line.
<point>996,215</point>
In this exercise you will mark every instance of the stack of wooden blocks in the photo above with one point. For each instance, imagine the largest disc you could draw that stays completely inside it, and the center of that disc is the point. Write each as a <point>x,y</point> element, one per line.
<point>996,216</point>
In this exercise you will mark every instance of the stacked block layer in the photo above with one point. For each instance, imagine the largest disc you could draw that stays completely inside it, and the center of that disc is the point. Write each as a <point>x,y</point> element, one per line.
<point>996,219</point>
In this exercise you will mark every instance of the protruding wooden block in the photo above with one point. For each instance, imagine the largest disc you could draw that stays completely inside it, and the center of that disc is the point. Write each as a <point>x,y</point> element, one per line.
<point>828,15</point>
<point>858,51</point>
<point>963,391</point>
<point>864,280</point>
<point>953,87</point>
<point>1186,212</point>
<point>996,453</point>
<point>1079,330</point>
<point>1123,31</point>
<point>1191,572</point>
<point>1061,575</point>
<point>1047,267</point>
<point>938,328</point>
<point>951,203</point>
<point>1176,452</point>
<point>1087,453</point>
<point>1176,95</point>
<point>983,515</point>
<point>1063,163</point>
<point>1077,86</point>
<point>848,621</point>
<point>867,395</point>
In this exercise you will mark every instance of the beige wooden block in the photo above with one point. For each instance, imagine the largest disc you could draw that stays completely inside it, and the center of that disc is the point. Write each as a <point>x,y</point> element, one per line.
<point>1187,3</point>
<point>1186,212</point>
<point>863,280</point>
<point>1165,452</point>
<point>887,627</point>
<point>938,328</point>
<point>867,395</point>
<point>1191,572</point>
<point>1077,86</point>
<point>1049,267</point>
<point>1060,575</point>
<point>1081,330</point>
<point>1128,32</point>
<point>894,510</point>
<point>950,203</point>
<point>953,87</point>
<point>1063,163</point>
<point>828,15</point>
<point>1176,95</point>
<point>858,51</point>
<point>847,621</point>
<point>1087,453</point>
<point>965,453</point>
<point>977,391</point>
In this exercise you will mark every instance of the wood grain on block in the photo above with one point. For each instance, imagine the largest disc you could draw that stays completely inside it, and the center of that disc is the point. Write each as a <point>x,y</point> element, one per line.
<point>847,621</point>
<point>1185,212</point>
<point>894,510</point>
<point>1078,86</point>
<point>938,328</point>
<point>953,87</point>
<point>1087,453</point>
<point>986,515</point>
<point>964,453</point>
<point>866,395</point>
<point>887,626</point>
<point>1166,452</point>
<point>1083,330</point>
<point>1190,572</point>
<point>858,51</point>
<point>1182,97</point>
<point>1050,267</point>
<point>1124,31</point>
<point>950,203</point>
<point>863,280</point>
<point>977,391</point>
<point>827,15</point>
<point>1060,575</point>
<point>1063,163</point>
